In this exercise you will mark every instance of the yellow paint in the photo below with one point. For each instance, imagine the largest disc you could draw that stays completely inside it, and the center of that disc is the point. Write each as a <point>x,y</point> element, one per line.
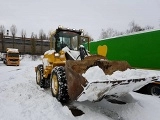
<point>53,59</point>
<point>102,50</point>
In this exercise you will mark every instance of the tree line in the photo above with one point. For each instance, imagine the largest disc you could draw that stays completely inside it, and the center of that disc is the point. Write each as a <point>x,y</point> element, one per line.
<point>105,33</point>
<point>133,27</point>
<point>13,31</point>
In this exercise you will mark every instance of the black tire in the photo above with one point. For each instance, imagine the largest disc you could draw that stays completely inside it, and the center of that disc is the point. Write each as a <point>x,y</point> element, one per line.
<point>39,74</point>
<point>59,84</point>
<point>154,89</point>
<point>6,63</point>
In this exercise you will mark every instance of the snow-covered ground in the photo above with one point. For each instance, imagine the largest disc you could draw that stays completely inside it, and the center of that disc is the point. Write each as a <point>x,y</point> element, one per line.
<point>22,99</point>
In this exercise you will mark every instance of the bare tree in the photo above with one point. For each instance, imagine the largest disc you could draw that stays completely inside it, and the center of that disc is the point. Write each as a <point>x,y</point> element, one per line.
<point>134,27</point>
<point>33,46</point>
<point>2,32</point>
<point>87,35</point>
<point>23,34</point>
<point>42,36</point>
<point>109,33</point>
<point>2,29</point>
<point>13,30</point>
<point>32,35</point>
<point>103,34</point>
<point>52,40</point>
<point>148,27</point>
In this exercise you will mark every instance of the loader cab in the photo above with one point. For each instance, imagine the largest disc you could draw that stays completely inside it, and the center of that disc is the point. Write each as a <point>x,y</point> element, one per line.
<point>69,37</point>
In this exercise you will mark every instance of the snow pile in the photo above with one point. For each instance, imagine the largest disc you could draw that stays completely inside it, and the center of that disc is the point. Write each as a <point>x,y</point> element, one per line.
<point>100,85</point>
<point>132,74</point>
<point>49,52</point>
<point>22,99</point>
<point>12,50</point>
<point>94,74</point>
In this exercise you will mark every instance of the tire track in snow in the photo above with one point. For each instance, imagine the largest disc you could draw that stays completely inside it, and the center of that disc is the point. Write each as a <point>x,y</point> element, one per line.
<point>97,108</point>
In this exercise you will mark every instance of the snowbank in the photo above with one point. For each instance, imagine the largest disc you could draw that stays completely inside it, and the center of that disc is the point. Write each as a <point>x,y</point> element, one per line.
<point>28,57</point>
<point>22,99</point>
<point>95,73</point>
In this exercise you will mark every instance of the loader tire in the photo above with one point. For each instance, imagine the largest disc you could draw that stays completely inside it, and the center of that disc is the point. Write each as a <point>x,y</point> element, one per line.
<point>154,89</point>
<point>39,75</point>
<point>59,84</point>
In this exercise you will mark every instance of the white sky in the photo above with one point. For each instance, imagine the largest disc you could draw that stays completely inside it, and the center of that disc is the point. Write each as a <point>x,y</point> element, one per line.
<point>90,15</point>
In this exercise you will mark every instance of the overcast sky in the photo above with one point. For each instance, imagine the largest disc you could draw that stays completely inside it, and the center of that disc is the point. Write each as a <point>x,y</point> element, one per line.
<point>90,15</point>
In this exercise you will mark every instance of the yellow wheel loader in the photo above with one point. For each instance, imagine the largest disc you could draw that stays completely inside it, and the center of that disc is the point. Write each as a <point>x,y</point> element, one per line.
<point>63,68</point>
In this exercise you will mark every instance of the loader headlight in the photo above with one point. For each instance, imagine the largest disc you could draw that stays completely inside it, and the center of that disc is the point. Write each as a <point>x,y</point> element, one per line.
<point>62,55</point>
<point>56,54</point>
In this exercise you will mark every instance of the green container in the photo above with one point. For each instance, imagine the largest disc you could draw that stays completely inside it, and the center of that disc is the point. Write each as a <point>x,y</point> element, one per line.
<point>141,50</point>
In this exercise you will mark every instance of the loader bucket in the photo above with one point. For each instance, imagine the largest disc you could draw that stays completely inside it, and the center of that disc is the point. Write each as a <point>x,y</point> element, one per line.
<point>95,91</point>
<point>74,70</point>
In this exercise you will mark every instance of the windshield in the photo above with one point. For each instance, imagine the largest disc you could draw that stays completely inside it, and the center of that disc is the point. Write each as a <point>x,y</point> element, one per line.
<point>13,54</point>
<point>69,39</point>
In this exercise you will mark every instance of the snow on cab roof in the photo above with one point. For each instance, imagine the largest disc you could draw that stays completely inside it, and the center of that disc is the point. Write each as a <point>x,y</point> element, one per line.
<point>13,50</point>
